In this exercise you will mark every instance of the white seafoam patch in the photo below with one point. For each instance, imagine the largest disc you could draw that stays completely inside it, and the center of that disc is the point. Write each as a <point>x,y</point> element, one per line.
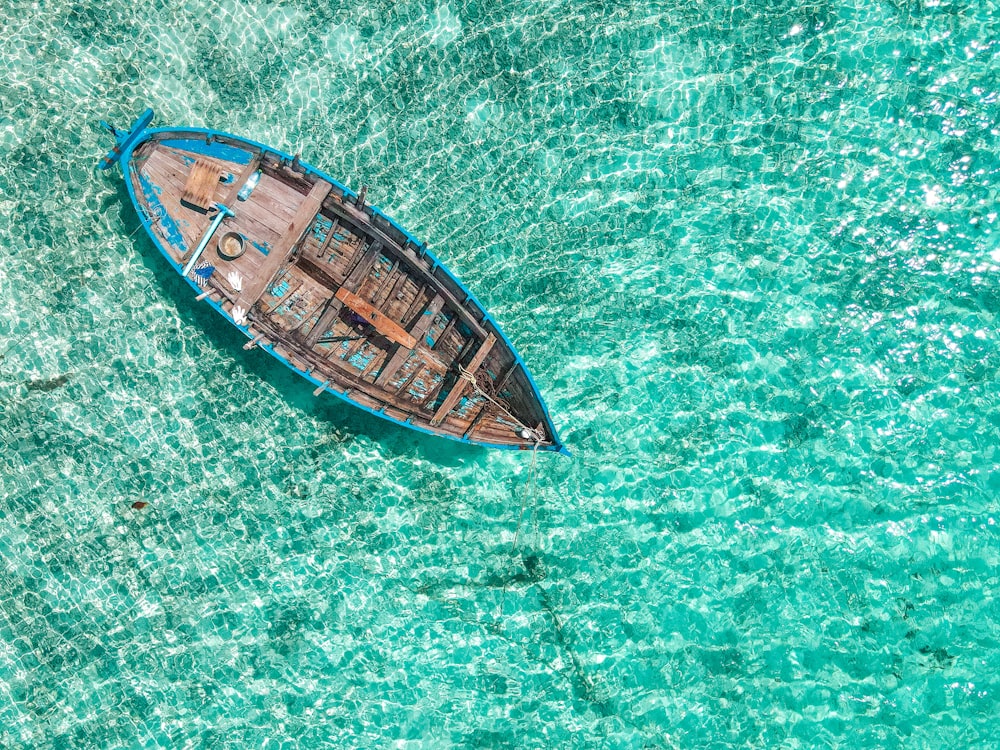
<point>444,25</point>
<point>342,44</point>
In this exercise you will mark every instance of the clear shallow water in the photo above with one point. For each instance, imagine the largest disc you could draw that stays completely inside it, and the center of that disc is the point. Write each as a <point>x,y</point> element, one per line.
<point>750,252</point>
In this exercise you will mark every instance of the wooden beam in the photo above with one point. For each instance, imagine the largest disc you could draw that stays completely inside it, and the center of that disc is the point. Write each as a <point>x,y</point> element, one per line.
<point>411,316</point>
<point>447,329</point>
<point>403,353</point>
<point>352,283</point>
<point>326,318</point>
<point>496,388</point>
<point>363,267</point>
<point>334,226</point>
<point>401,278</point>
<point>384,325</point>
<point>452,399</point>
<point>477,419</point>
<point>361,220</point>
<point>282,251</point>
<point>385,281</point>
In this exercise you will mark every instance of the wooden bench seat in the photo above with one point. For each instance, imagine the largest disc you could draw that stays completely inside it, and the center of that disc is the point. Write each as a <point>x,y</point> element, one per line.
<point>457,390</point>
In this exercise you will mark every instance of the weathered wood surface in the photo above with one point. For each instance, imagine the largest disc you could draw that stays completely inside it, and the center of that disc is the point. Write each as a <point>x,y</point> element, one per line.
<point>168,172</point>
<point>351,284</point>
<point>403,353</point>
<point>378,320</point>
<point>457,390</point>
<point>346,211</point>
<point>279,255</point>
<point>202,182</point>
<point>332,255</point>
<point>364,267</point>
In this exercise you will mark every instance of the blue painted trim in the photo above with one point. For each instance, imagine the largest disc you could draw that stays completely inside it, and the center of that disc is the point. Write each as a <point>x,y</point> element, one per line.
<point>125,140</point>
<point>140,135</point>
<point>206,132</point>
<point>151,192</point>
<point>210,148</point>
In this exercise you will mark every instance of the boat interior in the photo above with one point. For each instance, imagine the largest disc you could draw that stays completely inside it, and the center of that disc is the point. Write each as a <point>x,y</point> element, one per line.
<point>335,289</point>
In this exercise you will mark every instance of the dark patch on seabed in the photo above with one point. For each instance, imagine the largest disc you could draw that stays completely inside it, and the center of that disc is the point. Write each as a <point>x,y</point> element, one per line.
<point>47,384</point>
<point>531,573</point>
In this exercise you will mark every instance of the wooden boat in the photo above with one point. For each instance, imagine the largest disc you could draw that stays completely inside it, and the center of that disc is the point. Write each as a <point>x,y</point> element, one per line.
<point>330,286</point>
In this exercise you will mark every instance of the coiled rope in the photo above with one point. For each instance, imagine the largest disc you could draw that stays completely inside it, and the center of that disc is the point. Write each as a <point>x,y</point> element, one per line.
<point>525,431</point>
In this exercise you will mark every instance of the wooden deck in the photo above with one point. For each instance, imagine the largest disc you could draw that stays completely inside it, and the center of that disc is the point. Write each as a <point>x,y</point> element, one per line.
<point>282,249</point>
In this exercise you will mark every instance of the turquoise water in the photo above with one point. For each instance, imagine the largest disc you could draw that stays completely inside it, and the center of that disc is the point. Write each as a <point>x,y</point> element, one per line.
<point>750,253</point>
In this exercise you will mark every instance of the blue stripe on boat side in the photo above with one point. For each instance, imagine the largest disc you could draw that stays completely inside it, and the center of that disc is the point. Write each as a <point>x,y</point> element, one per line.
<point>214,149</point>
<point>151,193</point>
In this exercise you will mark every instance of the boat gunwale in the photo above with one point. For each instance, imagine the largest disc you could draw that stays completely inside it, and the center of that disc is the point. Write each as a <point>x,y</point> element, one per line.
<point>127,165</point>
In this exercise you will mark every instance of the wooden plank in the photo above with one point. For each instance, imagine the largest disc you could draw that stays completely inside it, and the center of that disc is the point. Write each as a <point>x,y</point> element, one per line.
<point>265,216</point>
<point>388,328</point>
<point>321,251</point>
<point>502,380</point>
<point>444,334</point>
<point>199,190</point>
<point>280,254</point>
<point>355,348</point>
<point>326,318</point>
<point>372,364</point>
<point>351,284</point>
<point>364,267</point>
<point>397,287</point>
<point>359,218</point>
<point>461,384</point>
<point>496,388</point>
<point>170,180</point>
<point>416,304</point>
<point>480,413</point>
<point>385,281</point>
<point>427,319</point>
<point>418,331</point>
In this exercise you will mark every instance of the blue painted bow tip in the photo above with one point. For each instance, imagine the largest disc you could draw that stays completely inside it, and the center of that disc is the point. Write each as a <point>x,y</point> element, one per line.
<point>124,139</point>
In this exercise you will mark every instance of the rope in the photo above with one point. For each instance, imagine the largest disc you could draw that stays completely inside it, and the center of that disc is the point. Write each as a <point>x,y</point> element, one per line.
<point>470,378</point>
<point>16,343</point>
<point>158,213</point>
<point>532,487</point>
<point>526,432</point>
